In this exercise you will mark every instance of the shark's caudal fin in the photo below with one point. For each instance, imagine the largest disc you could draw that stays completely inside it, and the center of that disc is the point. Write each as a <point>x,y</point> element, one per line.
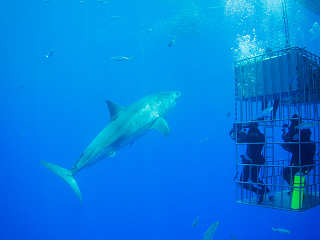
<point>66,175</point>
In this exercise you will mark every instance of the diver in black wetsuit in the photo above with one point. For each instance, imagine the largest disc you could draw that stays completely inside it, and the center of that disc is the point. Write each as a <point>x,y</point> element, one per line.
<point>253,157</point>
<point>306,151</point>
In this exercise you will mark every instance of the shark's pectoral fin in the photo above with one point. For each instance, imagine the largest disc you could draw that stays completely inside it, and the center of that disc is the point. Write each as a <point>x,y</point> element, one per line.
<point>162,126</point>
<point>113,154</point>
<point>114,109</point>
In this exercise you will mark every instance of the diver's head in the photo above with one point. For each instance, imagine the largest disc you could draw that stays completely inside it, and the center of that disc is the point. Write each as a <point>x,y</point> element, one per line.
<point>295,119</point>
<point>253,127</point>
<point>305,135</point>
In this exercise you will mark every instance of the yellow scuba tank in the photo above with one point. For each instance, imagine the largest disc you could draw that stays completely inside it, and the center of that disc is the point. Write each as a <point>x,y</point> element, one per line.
<point>298,189</point>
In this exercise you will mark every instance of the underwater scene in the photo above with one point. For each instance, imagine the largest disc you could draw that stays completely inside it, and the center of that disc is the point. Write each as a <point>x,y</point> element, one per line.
<point>172,119</point>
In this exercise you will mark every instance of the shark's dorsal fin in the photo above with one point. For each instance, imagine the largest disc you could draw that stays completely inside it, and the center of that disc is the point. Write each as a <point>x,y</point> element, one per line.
<point>162,126</point>
<point>114,109</point>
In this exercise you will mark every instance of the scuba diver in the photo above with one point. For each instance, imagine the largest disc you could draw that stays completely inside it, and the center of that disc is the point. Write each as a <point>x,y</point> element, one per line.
<point>302,150</point>
<point>253,158</point>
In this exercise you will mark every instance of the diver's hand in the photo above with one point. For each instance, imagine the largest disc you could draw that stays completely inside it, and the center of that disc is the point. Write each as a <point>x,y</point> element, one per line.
<point>232,134</point>
<point>246,159</point>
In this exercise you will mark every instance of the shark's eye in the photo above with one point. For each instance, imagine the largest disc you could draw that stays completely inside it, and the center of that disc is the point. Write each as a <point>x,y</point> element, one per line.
<point>177,94</point>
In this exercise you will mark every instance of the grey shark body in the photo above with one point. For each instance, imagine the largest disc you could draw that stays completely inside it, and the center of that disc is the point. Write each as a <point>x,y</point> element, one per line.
<point>126,126</point>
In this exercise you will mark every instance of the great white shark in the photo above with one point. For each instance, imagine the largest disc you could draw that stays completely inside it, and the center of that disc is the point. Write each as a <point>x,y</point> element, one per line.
<point>126,125</point>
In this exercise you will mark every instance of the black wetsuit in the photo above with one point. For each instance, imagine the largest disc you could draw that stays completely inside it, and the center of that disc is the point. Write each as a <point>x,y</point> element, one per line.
<point>308,149</point>
<point>256,142</point>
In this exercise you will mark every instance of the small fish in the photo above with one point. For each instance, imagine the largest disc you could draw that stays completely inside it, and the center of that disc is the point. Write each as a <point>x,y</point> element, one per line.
<point>281,230</point>
<point>171,43</point>
<point>208,235</point>
<point>115,17</point>
<point>50,54</point>
<point>102,1</point>
<point>121,58</point>
<point>195,222</point>
<point>305,125</point>
<point>228,114</point>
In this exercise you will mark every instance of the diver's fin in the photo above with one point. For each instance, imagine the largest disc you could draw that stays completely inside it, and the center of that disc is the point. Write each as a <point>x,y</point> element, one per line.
<point>114,109</point>
<point>162,126</point>
<point>113,154</point>
<point>66,175</point>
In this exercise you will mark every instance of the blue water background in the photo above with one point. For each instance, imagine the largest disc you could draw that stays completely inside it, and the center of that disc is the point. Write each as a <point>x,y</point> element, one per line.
<point>51,108</point>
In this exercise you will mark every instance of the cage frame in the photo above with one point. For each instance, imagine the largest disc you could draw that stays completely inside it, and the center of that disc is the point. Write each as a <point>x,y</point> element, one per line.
<point>304,101</point>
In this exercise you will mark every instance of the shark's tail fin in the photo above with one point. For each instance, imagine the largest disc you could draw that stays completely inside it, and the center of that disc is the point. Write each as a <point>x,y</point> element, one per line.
<point>66,175</point>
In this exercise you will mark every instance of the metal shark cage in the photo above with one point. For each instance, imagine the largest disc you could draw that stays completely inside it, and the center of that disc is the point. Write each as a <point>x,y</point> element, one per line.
<point>290,77</point>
